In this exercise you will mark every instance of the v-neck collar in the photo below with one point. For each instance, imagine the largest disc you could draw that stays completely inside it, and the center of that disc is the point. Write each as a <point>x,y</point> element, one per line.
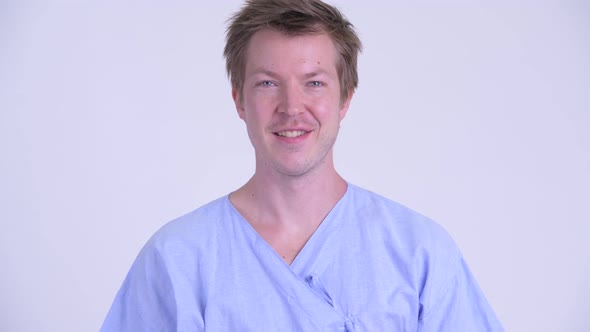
<point>311,250</point>
<point>326,227</point>
<point>301,281</point>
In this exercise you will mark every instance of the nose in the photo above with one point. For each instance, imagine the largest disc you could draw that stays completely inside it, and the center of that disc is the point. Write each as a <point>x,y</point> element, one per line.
<point>291,100</point>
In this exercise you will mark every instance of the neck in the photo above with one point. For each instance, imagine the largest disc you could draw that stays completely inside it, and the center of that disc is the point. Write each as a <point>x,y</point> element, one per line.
<point>289,201</point>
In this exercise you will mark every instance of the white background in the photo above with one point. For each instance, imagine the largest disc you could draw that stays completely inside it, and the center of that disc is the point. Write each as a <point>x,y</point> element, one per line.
<point>116,117</point>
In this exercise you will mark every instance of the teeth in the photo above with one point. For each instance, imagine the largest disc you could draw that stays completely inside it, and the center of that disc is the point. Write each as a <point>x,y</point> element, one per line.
<point>291,133</point>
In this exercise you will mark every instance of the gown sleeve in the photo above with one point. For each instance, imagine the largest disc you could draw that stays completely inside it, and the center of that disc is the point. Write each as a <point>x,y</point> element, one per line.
<point>146,300</point>
<point>458,305</point>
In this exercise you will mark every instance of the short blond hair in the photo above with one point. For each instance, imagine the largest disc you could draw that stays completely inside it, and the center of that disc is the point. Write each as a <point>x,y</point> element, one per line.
<point>292,17</point>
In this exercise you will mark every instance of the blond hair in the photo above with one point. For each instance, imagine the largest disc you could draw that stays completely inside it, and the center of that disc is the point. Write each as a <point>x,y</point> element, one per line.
<point>292,17</point>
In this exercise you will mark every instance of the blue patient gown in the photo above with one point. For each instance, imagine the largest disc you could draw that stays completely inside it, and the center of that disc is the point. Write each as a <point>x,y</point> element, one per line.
<point>372,265</point>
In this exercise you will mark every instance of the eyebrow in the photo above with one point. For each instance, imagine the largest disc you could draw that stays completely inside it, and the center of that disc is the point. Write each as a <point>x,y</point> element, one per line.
<point>265,72</point>
<point>273,74</point>
<point>316,73</point>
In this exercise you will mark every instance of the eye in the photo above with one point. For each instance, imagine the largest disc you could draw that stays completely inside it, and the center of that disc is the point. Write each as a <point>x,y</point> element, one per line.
<point>315,84</point>
<point>266,83</point>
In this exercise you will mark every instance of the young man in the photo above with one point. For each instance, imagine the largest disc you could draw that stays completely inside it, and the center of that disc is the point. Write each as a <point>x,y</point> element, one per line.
<point>297,248</point>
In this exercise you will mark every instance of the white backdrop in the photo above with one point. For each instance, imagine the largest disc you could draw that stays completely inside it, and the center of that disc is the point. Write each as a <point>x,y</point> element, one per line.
<point>116,117</point>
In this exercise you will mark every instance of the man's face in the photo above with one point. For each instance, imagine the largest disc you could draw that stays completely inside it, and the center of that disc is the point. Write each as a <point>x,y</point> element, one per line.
<point>291,101</point>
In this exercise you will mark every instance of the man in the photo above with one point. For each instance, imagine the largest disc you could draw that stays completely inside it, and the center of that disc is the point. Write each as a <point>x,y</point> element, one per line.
<point>297,248</point>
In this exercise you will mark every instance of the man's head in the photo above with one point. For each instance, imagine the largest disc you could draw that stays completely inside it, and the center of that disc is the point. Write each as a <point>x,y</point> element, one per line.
<point>292,17</point>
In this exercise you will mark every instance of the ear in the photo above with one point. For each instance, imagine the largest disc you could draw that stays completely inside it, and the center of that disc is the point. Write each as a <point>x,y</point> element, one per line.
<point>345,105</point>
<point>235,94</point>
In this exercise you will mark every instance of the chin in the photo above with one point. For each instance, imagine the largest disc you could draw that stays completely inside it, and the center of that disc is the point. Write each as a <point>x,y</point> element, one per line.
<point>293,171</point>
<point>298,169</point>
<point>295,166</point>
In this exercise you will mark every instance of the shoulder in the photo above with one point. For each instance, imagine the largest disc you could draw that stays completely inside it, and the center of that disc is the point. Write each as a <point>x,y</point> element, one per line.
<point>194,231</point>
<point>205,217</point>
<point>449,296</point>
<point>186,245</point>
<point>422,246</point>
<point>170,268</point>
<point>405,226</point>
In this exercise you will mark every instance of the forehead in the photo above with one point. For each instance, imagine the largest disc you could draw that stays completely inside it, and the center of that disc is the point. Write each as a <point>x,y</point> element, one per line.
<point>273,50</point>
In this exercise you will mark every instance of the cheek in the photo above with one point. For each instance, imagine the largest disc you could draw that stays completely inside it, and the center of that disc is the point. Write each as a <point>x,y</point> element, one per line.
<point>254,117</point>
<point>329,111</point>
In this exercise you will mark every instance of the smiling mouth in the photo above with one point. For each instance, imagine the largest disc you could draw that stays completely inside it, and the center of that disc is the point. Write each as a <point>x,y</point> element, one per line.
<point>290,133</point>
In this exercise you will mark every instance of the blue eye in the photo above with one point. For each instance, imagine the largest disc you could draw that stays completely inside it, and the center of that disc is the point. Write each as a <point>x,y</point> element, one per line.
<point>266,83</point>
<point>315,83</point>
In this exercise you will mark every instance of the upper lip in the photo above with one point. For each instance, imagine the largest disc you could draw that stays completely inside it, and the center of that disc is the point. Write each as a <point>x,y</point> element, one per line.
<point>290,129</point>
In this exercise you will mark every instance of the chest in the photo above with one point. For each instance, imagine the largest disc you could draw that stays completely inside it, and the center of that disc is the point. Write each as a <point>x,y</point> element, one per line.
<point>333,287</point>
<point>286,242</point>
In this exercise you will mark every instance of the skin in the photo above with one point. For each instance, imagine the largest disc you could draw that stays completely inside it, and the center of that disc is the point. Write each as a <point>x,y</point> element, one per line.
<point>291,88</point>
